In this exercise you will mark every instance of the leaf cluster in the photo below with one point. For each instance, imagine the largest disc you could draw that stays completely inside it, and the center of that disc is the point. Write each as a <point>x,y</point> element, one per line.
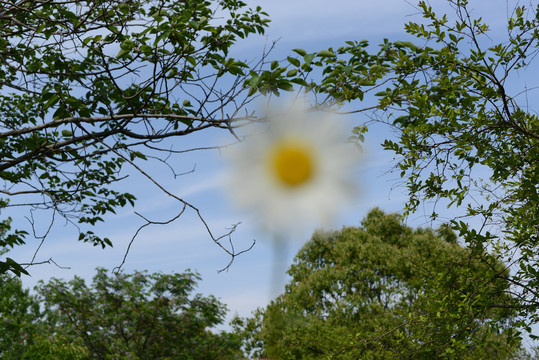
<point>119,316</point>
<point>384,290</point>
<point>88,87</point>
<point>467,136</point>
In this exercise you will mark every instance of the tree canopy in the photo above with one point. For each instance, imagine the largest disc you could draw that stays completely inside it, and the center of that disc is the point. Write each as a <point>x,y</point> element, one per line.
<point>120,316</point>
<point>386,291</point>
<point>467,135</point>
<point>19,312</point>
<point>23,331</point>
<point>88,88</point>
<point>139,315</point>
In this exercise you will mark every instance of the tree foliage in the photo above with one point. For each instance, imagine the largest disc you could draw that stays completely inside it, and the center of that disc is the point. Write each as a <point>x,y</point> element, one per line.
<point>23,331</point>
<point>386,291</point>
<point>124,316</point>
<point>19,315</point>
<point>88,87</point>
<point>138,316</point>
<point>469,137</point>
<point>467,133</point>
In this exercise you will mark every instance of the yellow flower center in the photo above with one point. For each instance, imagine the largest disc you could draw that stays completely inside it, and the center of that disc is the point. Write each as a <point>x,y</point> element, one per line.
<point>292,164</point>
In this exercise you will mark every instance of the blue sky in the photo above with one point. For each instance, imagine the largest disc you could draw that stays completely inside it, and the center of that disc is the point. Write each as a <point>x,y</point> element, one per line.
<point>183,244</point>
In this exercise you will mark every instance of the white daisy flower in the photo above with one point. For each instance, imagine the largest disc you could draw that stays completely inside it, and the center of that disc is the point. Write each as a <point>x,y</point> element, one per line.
<point>296,173</point>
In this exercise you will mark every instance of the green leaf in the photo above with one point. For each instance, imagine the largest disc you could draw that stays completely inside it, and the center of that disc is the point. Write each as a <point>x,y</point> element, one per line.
<point>13,266</point>
<point>292,72</point>
<point>300,81</point>
<point>254,81</point>
<point>236,70</point>
<point>309,58</point>
<point>252,91</point>
<point>172,73</point>
<point>285,86</point>
<point>326,53</point>
<point>123,53</point>
<point>191,60</point>
<point>52,100</point>
<point>293,61</point>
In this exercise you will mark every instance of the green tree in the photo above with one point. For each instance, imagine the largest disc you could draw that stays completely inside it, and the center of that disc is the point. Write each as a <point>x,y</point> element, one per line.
<point>19,318</point>
<point>386,291</point>
<point>467,136</point>
<point>138,316</point>
<point>23,332</point>
<point>54,347</point>
<point>90,88</point>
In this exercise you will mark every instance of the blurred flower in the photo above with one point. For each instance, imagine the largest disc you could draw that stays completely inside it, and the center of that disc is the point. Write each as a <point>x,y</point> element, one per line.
<point>295,173</point>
